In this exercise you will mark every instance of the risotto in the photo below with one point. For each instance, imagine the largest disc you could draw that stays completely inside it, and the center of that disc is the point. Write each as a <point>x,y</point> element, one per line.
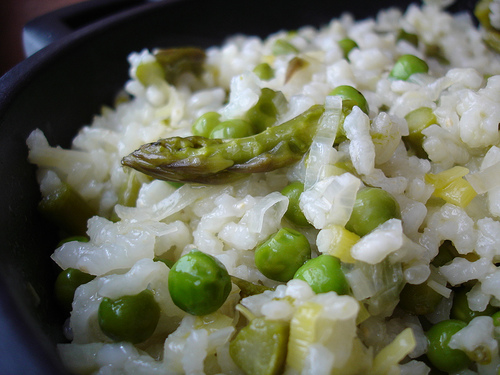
<point>321,201</point>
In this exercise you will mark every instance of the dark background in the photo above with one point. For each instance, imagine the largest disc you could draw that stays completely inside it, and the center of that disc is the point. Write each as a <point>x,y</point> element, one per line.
<point>13,15</point>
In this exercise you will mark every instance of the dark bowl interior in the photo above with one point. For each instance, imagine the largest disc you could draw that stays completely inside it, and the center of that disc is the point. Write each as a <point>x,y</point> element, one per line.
<point>58,90</point>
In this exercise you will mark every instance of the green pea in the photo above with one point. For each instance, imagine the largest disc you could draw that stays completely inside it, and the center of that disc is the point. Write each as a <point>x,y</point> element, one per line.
<point>204,125</point>
<point>235,128</point>
<point>264,113</point>
<point>282,47</point>
<point>323,274</point>
<point>372,207</point>
<point>199,283</point>
<point>406,66</point>
<point>347,45</point>
<point>460,309</point>
<point>418,120</point>
<point>350,97</point>
<point>282,254</point>
<point>419,299</point>
<point>293,212</point>
<point>496,319</point>
<point>409,37</point>
<point>149,72</point>
<point>67,209</point>
<point>66,283</point>
<point>439,353</point>
<point>129,318</point>
<point>260,347</point>
<point>264,71</point>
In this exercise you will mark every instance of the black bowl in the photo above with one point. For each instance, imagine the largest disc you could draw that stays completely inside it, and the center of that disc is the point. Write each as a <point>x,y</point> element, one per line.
<point>58,89</point>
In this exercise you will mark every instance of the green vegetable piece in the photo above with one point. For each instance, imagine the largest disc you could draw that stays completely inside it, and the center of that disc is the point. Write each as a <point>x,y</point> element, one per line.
<point>265,112</point>
<point>491,35</point>
<point>149,72</point>
<point>129,318</point>
<point>264,71</point>
<point>293,212</point>
<point>73,238</point>
<point>439,353</point>
<point>128,193</point>
<point>218,161</point>
<point>372,207</point>
<point>204,125</point>
<point>323,274</point>
<point>492,39</point>
<point>419,299</point>
<point>347,45</point>
<point>446,254</point>
<point>406,66</point>
<point>235,128</point>
<point>496,319</point>
<point>66,283</point>
<point>175,184</point>
<point>418,120</point>
<point>169,263</point>
<point>247,288</point>
<point>67,209</point>
<point>436,52</point>
<point>177,61</point>
<point>282,47</point>
<point>199,283</point>
<point>460,309</point>
<point>350,97</point>
<point>409,37</point>
<point>282,254</point>
<point>482,12</point>
<point>260,347</point>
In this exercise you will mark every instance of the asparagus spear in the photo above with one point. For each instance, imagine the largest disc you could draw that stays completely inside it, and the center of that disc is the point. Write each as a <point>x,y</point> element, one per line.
<point>218,161</point>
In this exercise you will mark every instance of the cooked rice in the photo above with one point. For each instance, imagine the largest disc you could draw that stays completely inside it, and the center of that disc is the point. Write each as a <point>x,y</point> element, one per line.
<point>229,221</point>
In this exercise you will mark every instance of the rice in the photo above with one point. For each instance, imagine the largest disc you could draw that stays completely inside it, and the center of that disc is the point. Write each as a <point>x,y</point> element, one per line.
<point>366,331</point>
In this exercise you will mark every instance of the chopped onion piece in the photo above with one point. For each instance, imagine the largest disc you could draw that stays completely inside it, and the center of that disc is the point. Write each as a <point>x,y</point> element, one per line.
<point>376,245</point>
<point>485,180</point>
<point>321,152</point>
<point>330,201</point>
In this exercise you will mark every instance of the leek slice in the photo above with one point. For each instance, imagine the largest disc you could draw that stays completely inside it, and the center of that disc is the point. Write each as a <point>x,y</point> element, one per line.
<point>393,353</point>
<point>320,322</point>
<point>450,186</point>
<point>303,332</point>
<point>337,241</point>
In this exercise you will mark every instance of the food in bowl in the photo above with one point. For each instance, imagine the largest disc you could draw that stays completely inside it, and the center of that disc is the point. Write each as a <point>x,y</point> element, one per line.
<point>321,201</point>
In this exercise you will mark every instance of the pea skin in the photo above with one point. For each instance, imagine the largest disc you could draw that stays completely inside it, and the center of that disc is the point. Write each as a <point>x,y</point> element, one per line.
<point>323,274</point>
<point>199,283</point>
<point>281,255</point>
<point>439,353</point>
<point>372,207</point>
<point>129,318</point>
